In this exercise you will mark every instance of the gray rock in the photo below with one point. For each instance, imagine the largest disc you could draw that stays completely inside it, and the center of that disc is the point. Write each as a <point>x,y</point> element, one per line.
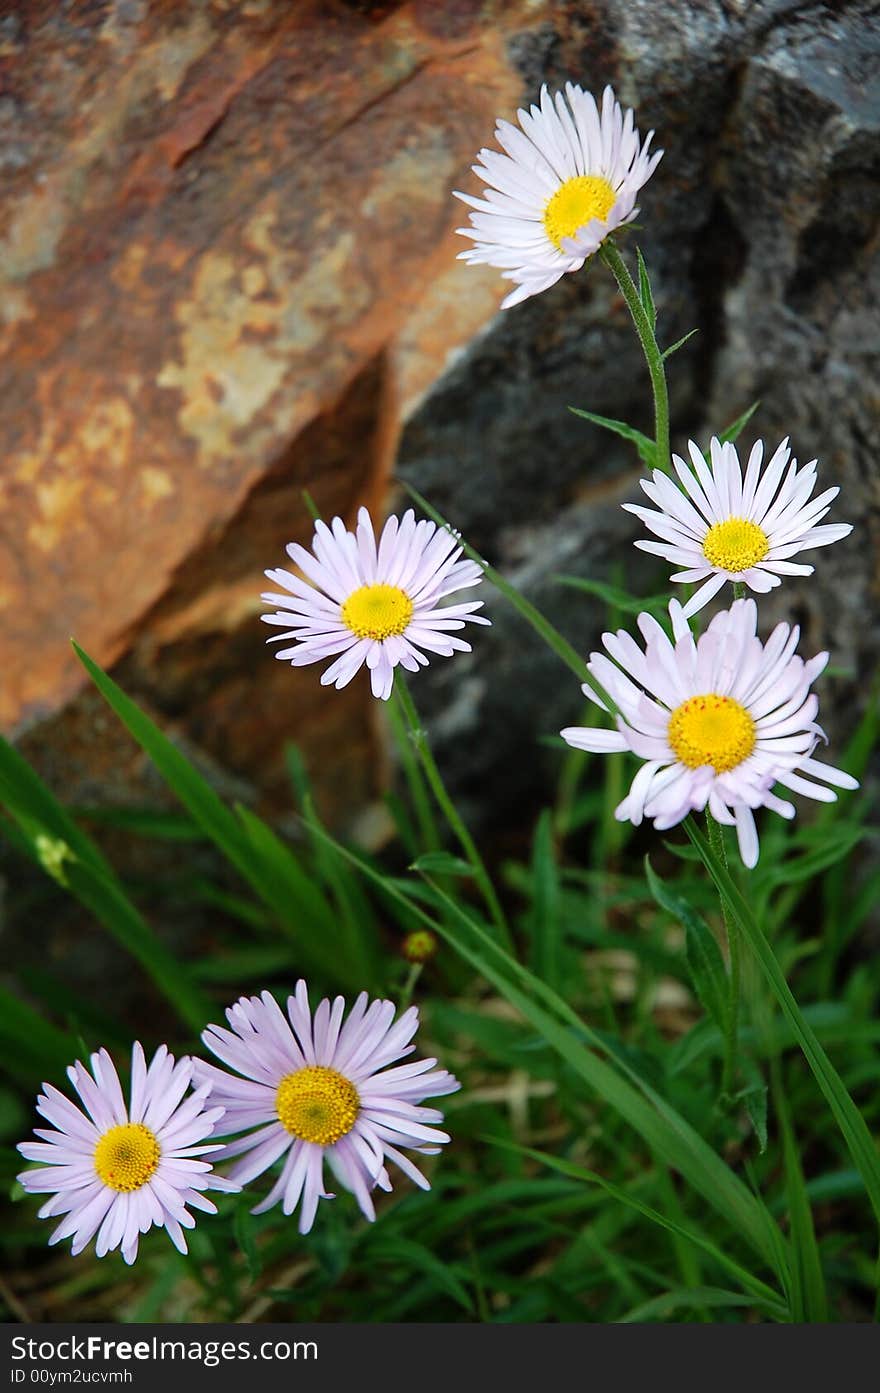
<point>760,228</point>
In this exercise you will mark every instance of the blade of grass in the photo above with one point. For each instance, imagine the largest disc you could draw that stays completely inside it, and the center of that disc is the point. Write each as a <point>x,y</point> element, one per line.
<point>751,1284</point>
<point>849,1119</point>
<point>248,843</point>
<point>65,852</point>
<point>661,1127</point>
<point>561,647</point>
<point>808,1299</point>
<point>546,930</point>
<point>646,448</point>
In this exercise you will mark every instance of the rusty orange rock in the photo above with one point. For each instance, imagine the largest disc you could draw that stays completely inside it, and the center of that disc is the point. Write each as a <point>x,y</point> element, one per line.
<point>219,220</point>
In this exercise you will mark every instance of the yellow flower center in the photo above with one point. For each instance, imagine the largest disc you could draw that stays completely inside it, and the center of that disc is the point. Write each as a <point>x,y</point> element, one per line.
<point>317,1104</point>
<point>377,611</point>
<point>126,1156</point>
<point>575,203</point>
<point>711,729</point>
<point>735,545</point>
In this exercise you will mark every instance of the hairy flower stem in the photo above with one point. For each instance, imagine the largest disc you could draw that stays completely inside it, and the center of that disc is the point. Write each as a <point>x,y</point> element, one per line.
<point>716,841</point>
<point>653,356</point>
<point>413,976</point>
<point>438,788</point>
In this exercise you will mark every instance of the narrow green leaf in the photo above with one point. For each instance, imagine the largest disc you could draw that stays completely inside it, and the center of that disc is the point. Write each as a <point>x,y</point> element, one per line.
<point>194,792</point>
<point>292,892</point>
<point>353,936</point>
<point>442,863</point>
<point>143,822</point>
<point>66,853</point>
<point>546,931</point>
<point>646,448</point>
<point>747,1280</point>
<point>736,427</point>
<point>679,343</point>
<point>245,1237</point>
<point>248,843</point>
<point>614,597</point>
<point>838,842</point>
<point>850,1121</point>
<point>686,1298</point>
<point>551,636</point>
<point>663,1129</point>
<point>754,1097</point>
<point>311,506</point>
<point>23,1028</point>
<point>35,807</point>
<point>704,960</point>
<point>809,1300</point>
<point>645,293</point>
<point>105,897</point>
<point>406,1252</point>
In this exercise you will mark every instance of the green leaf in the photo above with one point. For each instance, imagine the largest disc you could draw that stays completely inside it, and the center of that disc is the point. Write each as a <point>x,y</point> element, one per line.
<point>645,293</point>
<point>442,863</point>
<point>66,853</point>
<point>551,636</point>
<point>689,1298</point>
<point>259,856</point>
<point>353,938</point>
<point>849,1119</point>
<point>311,506</point>
<point>704,959</point>
<point>646,448</point>
<point>107,900</point>
<point>245,1237</point>
<point>663,1129</point>
<point>738,426</point>
<point>614,597</point>
<point>808,1298</point>
<point>679,343</point>
<point>754,1098</point>
<point>757,1289</point>
<point>546,930</point>
<point>289,889</point>
<point>143,822</point>
<point>194,792</point>
<point>23,1030</point>
<point>837,842</point>
<point>406,1252</point>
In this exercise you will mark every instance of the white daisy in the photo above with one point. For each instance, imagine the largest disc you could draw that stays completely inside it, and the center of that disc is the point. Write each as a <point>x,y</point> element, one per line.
<point>375,605</point>
<point>718,720</point>
<point>115,1171</point>
<point>316,1089</point>
<point>726,527</point>
<point>570,176</point>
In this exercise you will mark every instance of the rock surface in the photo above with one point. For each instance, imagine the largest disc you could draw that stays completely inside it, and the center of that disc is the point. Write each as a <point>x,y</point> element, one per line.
<point>228,275</point>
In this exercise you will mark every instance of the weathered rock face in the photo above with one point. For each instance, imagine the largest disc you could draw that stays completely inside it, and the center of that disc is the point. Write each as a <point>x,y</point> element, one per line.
<point>761,229</point>
<point>228,274</point>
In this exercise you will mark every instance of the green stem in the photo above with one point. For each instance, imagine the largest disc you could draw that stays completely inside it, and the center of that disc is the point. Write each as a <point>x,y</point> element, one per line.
<point>739,590</point>
<point>716,841</point>
<point>413,976</point>
<point>419,794</point>
<point>438,788</point>
<point>654,358</point>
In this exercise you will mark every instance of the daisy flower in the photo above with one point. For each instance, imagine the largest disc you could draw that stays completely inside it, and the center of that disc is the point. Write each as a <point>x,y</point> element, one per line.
<point>726,527</point>
<point>374,604</point>
<point>316,1089</point>
<point>116,1170</point>
<point>569,177</point>
<point>718,721</point>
